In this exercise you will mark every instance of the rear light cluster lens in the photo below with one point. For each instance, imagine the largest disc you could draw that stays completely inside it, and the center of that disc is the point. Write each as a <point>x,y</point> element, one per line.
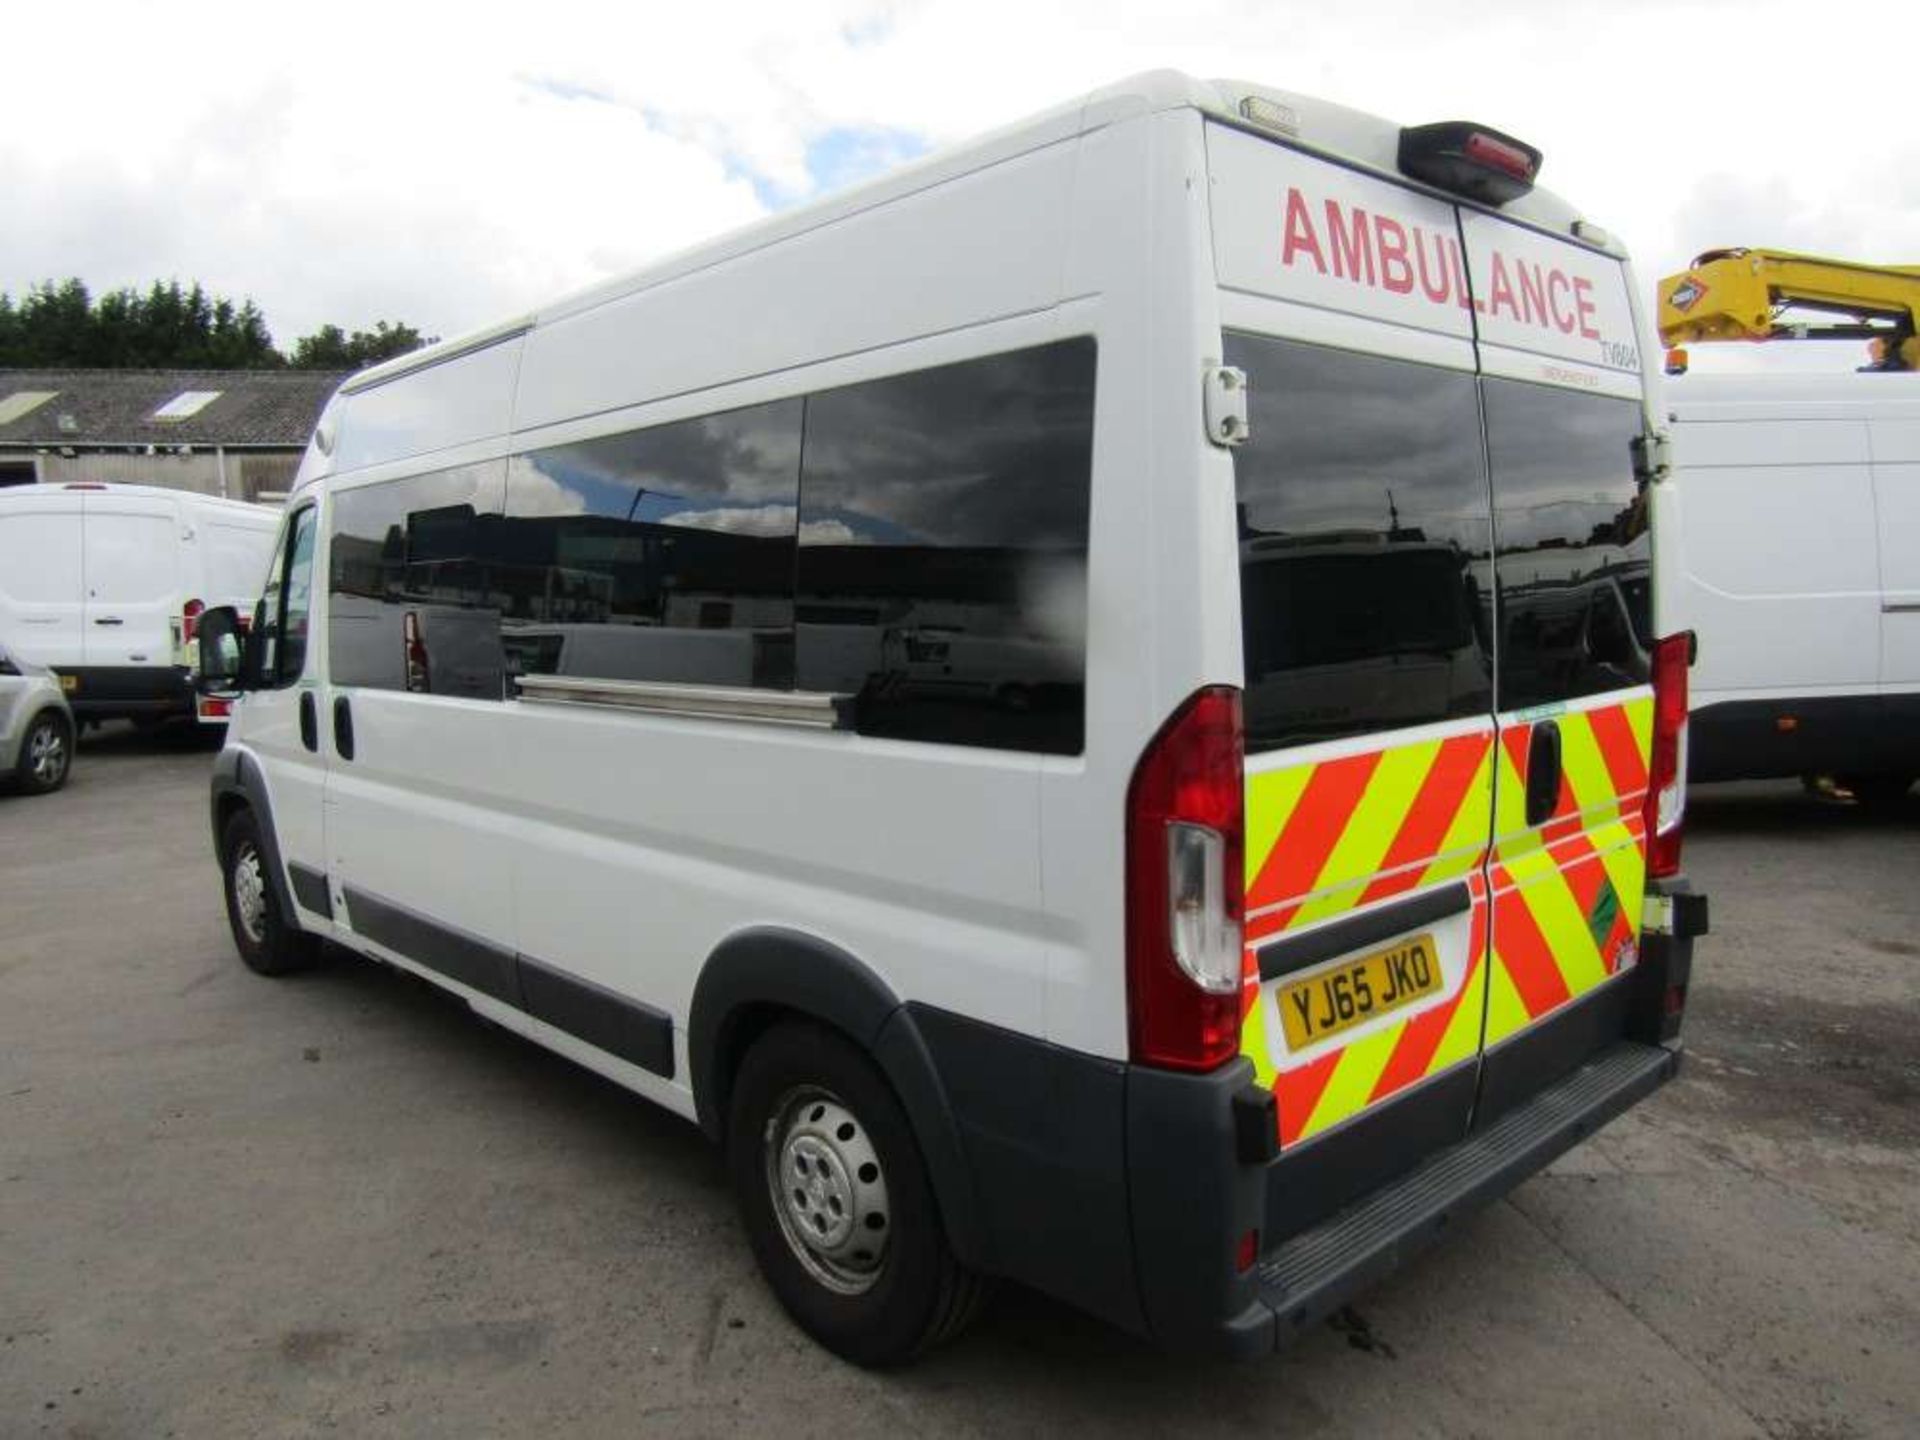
<point>1186,964</point>
<point>190,620</point>
<point>1667,774</point>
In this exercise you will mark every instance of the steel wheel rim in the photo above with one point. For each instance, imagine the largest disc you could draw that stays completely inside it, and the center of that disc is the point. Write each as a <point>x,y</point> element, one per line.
<point>828,1190</point>
<point>250,892</point>
<point>47,753</point>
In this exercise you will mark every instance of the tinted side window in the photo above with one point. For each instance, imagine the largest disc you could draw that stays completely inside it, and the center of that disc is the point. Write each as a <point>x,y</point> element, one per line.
<point>416,587</point>
<point>281,621</point>
<point>1364,542</point>
<point>1574,554</point>
<point>943,549</point>
<point>663,554</point>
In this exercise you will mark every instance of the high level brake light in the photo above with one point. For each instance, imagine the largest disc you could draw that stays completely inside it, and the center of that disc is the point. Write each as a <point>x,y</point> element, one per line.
<point>1667,773</point>
<point>1471,160</point>
<point>1186,964</point>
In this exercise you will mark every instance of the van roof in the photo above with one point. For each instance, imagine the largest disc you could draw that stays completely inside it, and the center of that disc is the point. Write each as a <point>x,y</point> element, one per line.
<point>114,488</point>
<point>1890,395</point>
<point>1351,137</point>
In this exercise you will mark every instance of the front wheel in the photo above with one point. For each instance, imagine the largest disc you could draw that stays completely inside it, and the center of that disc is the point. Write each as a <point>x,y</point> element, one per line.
<point>267,943</point>
<point>46,754</point>
<point>836,1200</point>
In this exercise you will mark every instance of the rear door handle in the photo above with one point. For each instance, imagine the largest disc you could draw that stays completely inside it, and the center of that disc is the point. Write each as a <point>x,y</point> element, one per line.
<point>343,727</point>
<point>1543,773</point>
<point>309,721</point>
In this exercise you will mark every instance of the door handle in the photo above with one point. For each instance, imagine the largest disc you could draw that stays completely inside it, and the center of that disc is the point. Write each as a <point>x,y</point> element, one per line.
<point>109,620</point>
<point>309,721</point>
<point>1543,772</point>
<point>343,727</point>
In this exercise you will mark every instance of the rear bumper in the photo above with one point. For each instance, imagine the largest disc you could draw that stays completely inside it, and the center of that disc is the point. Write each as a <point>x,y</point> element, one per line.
<point>1136,1193</point>
<point>105,692</point>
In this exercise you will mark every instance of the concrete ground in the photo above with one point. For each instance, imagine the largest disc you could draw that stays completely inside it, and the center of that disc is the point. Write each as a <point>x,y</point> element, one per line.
<point>338,1204</point>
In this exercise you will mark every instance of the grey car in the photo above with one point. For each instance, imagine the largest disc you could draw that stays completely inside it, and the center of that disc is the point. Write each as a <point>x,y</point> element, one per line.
<point>36,727</point>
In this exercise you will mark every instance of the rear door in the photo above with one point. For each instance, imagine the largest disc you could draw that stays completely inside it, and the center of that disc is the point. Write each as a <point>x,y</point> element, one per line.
<point>41,587</point>
<point>1364,557</point>
<point>132,545</point>
<point>1572,600</point>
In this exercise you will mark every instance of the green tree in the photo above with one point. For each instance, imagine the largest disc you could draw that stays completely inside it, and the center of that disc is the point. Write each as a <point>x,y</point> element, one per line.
<point>330,348</point>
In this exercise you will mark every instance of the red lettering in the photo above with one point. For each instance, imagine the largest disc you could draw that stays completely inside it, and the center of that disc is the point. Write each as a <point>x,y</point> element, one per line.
<point>1467,301</point>
<point>1300,236</point>
<point>1438,295</point>
<point>1502,293</point>
<point>1557,288</point>
<point>1352,248</point>
<point>1533,293</point>
<point>1396,274</point>
<point>1583,300</point>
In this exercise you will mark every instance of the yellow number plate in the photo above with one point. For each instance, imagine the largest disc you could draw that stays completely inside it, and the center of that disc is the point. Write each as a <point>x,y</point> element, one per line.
<point>69,682</point>
<point>1351,994</point>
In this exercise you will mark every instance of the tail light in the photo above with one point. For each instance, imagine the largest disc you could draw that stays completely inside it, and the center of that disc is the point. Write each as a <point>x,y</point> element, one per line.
<point>190,620</point>
<point>1667,774</point>
<point>1186,963</point>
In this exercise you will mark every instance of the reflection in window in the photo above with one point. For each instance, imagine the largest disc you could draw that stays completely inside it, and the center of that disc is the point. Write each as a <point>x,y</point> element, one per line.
<point>1363,544</point>
<point>415,591</point>
<point>942,549</point>
<point>663,554</point>
<point>1571,523</point>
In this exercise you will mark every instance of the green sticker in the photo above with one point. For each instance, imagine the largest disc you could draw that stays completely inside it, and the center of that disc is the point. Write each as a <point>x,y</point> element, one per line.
<point>1606,910</point>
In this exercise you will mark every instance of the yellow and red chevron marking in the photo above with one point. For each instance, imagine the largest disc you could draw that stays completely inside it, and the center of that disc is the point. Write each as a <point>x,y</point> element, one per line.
<point>1567,894</point>
<point>1325,837</point>
<point>1330,835</point>
<point>1335,1086</point>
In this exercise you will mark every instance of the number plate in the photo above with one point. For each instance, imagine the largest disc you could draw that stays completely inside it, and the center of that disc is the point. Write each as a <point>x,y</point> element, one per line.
<point>69,682</point>
<point>1351,994</point>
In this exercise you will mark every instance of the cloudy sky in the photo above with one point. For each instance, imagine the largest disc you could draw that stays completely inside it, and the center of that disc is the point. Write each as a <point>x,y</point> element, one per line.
<point>447,166</point>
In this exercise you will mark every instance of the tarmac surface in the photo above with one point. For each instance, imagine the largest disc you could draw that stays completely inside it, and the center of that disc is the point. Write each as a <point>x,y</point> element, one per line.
<point>339,1204</point>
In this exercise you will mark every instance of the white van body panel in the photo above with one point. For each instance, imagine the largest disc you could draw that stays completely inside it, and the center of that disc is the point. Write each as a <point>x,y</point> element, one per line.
<point>1103,218</point>
<point>98,576</point>
<point>614,604</point>
<point>1758,460</point>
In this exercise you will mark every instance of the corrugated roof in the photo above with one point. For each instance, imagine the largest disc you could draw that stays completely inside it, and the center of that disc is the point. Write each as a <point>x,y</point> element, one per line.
<point>117,407</point>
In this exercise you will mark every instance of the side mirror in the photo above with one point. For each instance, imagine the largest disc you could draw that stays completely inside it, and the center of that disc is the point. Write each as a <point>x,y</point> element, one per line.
<point>221,651</point>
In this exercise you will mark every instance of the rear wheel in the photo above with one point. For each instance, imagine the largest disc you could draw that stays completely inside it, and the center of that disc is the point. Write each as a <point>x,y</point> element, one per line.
<point>836,1200</point>
<point>266,941</point>
<point>46,753</point>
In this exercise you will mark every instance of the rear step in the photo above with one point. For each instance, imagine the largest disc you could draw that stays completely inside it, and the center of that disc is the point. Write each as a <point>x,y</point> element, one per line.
<point>1312,1274</point>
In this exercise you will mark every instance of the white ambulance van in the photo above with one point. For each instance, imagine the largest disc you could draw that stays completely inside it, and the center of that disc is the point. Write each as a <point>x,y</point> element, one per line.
<point>104,584</point>
<point>1792,551</point>
<point>1107,762</point>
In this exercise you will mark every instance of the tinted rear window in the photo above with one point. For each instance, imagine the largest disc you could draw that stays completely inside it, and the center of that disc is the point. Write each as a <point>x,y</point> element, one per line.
<point>1362,502</point>
<point>1574,553</point>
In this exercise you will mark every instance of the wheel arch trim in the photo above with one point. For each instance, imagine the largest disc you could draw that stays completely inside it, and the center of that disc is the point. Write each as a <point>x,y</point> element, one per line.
<point>772,970</point>
<point>237,780</point>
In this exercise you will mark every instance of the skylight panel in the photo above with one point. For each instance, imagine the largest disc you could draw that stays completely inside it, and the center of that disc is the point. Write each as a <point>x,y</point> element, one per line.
<point>186,404</point>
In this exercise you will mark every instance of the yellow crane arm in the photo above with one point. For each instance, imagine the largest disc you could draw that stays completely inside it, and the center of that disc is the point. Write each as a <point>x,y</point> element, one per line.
<point>1738,294</point>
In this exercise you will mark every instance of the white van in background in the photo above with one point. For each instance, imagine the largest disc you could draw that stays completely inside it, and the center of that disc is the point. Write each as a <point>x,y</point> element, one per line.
<point>1790,546</point>
<point>104,584</point>
<point>848,685</point>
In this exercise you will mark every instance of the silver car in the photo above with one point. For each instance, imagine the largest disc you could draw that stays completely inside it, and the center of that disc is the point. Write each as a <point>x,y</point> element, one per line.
<point>36,727</point>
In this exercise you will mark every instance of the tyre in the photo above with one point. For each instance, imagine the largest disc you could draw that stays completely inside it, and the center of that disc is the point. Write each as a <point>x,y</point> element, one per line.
<point>46,754</point>
<point>836,1201</point>
<point>266,941</point>
<point>1880,793</point>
